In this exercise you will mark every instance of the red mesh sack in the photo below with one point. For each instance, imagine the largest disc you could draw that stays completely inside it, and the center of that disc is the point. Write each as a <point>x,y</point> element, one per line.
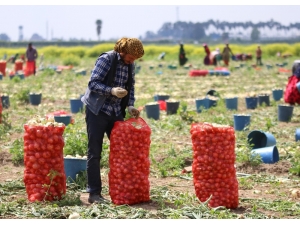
<point>30,68</point>
<point>18,65</point>
<point>129,162</point>
<point>291,93</point>
<point>214,174</point>
<point>162,105</point>
<point>44,174</point>
<point>3,67</point>
<point>0,110</point>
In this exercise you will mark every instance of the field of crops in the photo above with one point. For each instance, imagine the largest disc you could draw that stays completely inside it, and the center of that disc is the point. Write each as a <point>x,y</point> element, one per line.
<point>266,191</point>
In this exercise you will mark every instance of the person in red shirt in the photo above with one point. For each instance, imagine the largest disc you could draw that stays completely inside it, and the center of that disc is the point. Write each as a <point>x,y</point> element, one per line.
<point>31,56</point>
<point>292,93</point>
<point>258,56</point>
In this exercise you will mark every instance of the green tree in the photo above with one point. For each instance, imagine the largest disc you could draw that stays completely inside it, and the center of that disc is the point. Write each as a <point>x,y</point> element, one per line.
<point>99,26</point>
<point>255,34</point>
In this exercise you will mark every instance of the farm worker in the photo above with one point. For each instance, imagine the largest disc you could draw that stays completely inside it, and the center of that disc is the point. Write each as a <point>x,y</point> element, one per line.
<point>161,56</point>
<point>13,58</point>
<point>100,118</point>
<point>258,56</point>
<point>31,55</point>
<point>210,57</point>
<point>206,60</point>
<point>213,57</point>
<point>182,58</point>
<point>291,93</point>
<point>226,54</point>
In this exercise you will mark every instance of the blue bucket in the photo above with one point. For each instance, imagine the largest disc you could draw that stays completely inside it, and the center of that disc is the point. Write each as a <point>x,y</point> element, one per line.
<point>35,99</point>
<point>22,76</point>
<point>264,99</point>
<point>285,113</point>
<point>231,103</point>
<point>269,66</point>
<point>172,107</point>
<point>65,119</point>
<point>297,134</point>
<point>211,102</point>
<point>5,101</point>
<point>277,94</point>
<point>201,103</point>
<point>1,76</point>
<point>161,97</point>
<point>298,86</point>
<point>76,105</point>
<point>261,139</point>
<point>251,102</point>
<point>152,111</point>
<point>222,72</point>
<point>211,72</point>
<point>241,122</point>
<point>73,166</point>
<point>268,154</point>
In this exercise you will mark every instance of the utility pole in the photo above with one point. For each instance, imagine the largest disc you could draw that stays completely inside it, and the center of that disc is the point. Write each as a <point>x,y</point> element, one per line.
<point>21,33</point>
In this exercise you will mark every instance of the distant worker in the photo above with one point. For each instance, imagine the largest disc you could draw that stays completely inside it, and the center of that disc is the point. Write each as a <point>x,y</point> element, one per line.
<point>258,56</point>
<point>291,93</point>
<point>210,57</point>
<point>162,56</point>
<point>226,54</point>
<point>31,56</point>
<point>182,58</point>
<point>13,58</point>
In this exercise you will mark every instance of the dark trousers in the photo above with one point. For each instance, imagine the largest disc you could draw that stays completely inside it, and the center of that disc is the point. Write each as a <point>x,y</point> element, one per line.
<point>97,126</point>
<point>258,61</point>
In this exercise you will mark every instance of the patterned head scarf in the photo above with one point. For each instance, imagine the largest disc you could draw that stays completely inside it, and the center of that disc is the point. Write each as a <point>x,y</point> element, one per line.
<point>132,46</point>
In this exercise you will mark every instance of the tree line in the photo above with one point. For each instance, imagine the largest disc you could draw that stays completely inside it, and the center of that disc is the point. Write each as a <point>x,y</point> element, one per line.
<point>189,31</point>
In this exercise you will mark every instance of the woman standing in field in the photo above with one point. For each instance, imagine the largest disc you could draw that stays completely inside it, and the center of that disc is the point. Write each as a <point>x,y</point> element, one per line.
<point>226,54</point>
<point>182,58</point>
<point>110,91</point>
<point>258,56</point>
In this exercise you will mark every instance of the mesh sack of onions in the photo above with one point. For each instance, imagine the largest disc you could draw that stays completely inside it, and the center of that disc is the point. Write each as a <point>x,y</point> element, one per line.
<point>214,174</point>
<point>129,162</point>
<point>0,110</point>
<point>44,174</point>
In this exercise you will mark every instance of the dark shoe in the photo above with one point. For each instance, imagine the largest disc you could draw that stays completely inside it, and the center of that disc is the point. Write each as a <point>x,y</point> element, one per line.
<point>96,198</point>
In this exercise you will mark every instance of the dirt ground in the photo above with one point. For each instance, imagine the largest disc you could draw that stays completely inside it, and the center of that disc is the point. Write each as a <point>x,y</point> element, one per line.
<point>10,172</point>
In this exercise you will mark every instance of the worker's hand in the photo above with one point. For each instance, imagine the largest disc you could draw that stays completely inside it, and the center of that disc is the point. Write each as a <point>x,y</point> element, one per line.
<point>133,112</point>
<point>119,92</point>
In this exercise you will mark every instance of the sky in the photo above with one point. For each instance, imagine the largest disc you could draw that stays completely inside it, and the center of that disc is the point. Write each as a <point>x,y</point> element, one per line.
<point>52,19</point>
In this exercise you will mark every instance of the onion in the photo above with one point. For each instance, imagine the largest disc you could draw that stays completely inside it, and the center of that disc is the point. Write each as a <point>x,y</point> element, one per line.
<point>74,215</point>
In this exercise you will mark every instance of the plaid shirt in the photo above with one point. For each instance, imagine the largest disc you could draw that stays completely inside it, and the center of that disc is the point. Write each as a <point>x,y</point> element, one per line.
<point>102,66</point>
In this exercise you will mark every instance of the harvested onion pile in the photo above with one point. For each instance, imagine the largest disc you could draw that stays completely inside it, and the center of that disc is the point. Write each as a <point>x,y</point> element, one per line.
<point>44,174</point>
<point>214,174</point>
<point>129,162</point>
